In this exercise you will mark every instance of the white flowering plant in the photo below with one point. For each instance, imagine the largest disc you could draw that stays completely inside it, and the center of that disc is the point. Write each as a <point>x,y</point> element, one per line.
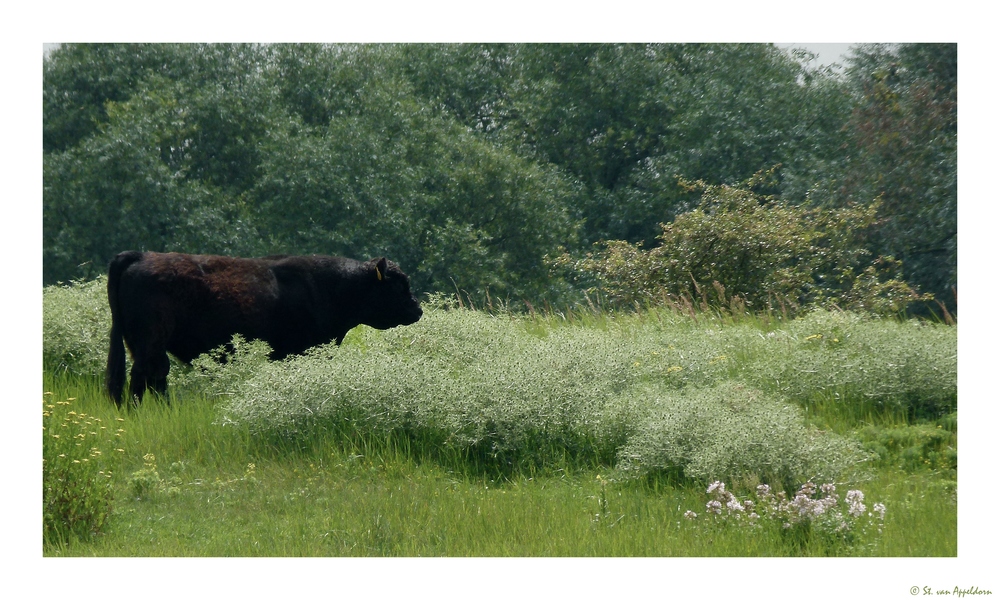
<point>75,324</point>
<point>814,511</point>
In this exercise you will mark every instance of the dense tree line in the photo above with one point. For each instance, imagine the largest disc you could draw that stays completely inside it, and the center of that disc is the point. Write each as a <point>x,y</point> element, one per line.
<point>477,166</point>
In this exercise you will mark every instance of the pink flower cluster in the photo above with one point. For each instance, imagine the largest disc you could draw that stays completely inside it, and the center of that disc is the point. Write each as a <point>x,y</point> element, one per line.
<point>731,502</point>
<point>809,504</point>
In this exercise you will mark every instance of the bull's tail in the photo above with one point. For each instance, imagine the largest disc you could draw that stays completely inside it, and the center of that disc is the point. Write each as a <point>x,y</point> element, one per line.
<point>115,377</point>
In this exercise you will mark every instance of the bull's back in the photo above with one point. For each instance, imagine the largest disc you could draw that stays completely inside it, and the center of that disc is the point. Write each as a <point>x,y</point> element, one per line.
<point>193,303</point>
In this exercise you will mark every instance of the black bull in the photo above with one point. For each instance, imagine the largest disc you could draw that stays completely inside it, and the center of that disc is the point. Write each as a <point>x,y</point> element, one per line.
<point>188,304</point>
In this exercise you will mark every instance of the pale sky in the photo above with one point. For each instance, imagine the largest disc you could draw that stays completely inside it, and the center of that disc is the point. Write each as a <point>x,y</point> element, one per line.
<point>825,53</point>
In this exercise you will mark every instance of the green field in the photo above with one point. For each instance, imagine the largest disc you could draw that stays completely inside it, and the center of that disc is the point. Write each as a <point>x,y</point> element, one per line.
<point>583,433</point>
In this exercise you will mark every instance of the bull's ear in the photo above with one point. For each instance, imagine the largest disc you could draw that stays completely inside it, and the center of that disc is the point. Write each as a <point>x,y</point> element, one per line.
<point>380,268</point>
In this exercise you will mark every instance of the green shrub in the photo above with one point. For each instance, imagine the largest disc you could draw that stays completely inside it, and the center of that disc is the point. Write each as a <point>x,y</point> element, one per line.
<point>732,432</point>
<point>506,389</point>
<point>221,370</point>
<point>913,447</point>
<point>740,245</point>
<point>146,480</point>
<point>80,453</point>
<point>75,325</point>
<point>461,379</point>
<point>908,367</point>
<point>484,386</point>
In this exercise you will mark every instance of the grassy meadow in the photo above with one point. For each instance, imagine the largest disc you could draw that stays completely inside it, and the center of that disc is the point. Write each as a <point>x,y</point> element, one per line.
<point>488,433</point>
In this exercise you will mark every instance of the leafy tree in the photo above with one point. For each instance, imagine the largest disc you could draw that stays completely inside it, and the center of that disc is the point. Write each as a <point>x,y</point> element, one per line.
<point>626,120</point>
<point>594,109</point>
<point>163,165</point>
<point>739,244</point>
<point>79,79</point>
<point>391,177</point>
<point>125,188</point>
<point>470,163</point>
<point>471,82</point>
<point>257,150</point>
<point>904,146</point>
<point>738,108</point>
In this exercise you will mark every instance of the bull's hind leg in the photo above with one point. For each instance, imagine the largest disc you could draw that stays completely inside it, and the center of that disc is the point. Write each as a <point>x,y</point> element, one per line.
<point>149,372</point>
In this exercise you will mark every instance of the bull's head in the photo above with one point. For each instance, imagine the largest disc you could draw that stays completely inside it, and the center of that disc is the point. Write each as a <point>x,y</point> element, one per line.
<point>392,303</point>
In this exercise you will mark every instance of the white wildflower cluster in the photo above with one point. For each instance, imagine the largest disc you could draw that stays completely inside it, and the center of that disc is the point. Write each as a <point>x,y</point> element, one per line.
<point>811,505</point>
<point>734,507</point>
<point>805,506</point>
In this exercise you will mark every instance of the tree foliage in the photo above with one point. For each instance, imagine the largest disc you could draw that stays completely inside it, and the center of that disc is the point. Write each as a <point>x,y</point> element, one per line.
<point>470,164</point>
<point>897,144</point>
<point>299,149</point>
<point>903,149</point>
<point>738,245</point>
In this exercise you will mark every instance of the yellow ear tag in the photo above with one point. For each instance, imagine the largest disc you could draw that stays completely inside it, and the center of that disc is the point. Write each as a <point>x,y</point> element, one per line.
<point>378,273</point>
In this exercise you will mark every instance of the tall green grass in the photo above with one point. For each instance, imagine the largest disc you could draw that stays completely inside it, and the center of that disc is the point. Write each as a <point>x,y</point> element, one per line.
<point>466,432</point>
<point>222,491</point>
<point>709,397</point>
